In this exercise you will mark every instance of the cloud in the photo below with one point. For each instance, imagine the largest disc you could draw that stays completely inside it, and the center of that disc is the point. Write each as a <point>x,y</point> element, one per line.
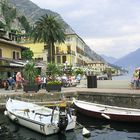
<point>114,46</point>
<point>108,26</point>
<point>79,14</point>
<point>52,3</point>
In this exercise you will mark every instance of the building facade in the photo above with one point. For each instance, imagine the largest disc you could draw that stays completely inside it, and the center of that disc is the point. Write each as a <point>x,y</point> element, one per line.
<point>10,57</point>
<point>70,52</point>
<point>39,50</point>
<point>73,51</point>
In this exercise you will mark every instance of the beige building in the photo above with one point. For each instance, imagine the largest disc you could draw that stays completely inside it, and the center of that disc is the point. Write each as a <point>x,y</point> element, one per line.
<point>70,52</point>
<point>97,66</point>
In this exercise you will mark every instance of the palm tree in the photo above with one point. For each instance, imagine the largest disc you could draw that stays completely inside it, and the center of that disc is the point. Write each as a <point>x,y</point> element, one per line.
<point>53,70</point>
<point>30,72</point>
<point>50,30</point>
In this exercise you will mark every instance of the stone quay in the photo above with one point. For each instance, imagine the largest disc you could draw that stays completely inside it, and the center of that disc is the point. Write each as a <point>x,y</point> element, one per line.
<point>110,92</point>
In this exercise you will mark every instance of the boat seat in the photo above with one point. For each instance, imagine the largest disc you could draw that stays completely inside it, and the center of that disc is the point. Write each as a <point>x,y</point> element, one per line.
<point>43,114</point>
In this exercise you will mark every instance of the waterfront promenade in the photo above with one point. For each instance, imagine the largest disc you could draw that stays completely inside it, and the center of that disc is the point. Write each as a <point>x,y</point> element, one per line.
<point>103,86</point>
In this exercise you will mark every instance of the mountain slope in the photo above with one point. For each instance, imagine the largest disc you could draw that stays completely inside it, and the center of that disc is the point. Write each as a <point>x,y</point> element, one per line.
<point>109,59</point>
<point>34,12</point>
<point>29,9</point>
<point>131,60</point>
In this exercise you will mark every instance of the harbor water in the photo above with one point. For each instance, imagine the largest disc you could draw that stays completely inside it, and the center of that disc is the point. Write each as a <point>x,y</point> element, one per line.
<point>100,130</point>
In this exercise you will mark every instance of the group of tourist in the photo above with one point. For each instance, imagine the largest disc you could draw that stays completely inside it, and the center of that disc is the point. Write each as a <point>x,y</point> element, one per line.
<point>14,82</point>
<point>41,81</point>
<point>69,81</point>
<point>136,79</point>
<point>17,81</point>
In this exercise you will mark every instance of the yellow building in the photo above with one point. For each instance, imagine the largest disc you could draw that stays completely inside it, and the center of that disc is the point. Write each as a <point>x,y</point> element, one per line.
<point>39,50</point>
<point>10,50</point>
<point>73,52</point>
<point>10,55</point>
<point>70,52</point>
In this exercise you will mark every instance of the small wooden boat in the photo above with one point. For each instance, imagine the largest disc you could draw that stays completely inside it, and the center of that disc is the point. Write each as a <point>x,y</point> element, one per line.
<point>101,111</point>
<point>38,118</point>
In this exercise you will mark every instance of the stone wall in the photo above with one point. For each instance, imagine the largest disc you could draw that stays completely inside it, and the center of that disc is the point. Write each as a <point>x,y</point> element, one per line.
<point>123,100</point>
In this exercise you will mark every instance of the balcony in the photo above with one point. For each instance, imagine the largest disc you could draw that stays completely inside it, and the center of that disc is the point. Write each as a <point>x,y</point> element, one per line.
<point>65,53</point>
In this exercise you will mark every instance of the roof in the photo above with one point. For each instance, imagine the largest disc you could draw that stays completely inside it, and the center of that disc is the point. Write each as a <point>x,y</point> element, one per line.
<point>12,43</point>
<point>19,63</point>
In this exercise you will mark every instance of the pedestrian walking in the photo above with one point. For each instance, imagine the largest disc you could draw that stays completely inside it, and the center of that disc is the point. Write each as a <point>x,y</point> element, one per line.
<point>19,81</point>
<point>11,83</point>
<point>136,79</point>
<point>38,81</point>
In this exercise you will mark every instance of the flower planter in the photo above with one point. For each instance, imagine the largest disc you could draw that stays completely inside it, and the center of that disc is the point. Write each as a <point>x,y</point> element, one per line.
<point>53,87</point>
<point>27,88</point>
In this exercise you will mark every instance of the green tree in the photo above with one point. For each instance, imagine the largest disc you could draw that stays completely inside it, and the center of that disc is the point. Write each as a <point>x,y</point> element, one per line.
<point>78,71</point>
<point>53,70</point>
<point>27,54</point>
<point>25,24</point>
<point>2,25</point>
<point>49,29</point>
<point>30,72</point>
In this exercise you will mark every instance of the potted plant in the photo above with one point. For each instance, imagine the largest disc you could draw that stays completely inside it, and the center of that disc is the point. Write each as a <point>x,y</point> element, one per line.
<point>53,85</point>
<point>29,73</point>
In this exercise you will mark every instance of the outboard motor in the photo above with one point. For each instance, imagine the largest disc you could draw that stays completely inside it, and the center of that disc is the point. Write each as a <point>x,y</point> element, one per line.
<point>63,120</point>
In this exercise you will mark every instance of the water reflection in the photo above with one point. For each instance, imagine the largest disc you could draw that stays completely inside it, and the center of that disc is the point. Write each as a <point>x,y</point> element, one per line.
<point>100,130</point>
<point>106,130</point>
<point>16,132</point>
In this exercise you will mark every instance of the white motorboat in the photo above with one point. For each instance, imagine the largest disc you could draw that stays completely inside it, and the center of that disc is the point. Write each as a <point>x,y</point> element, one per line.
<point>39,118</point>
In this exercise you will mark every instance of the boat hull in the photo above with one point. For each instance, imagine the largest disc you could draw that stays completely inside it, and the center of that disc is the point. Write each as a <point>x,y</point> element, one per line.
<point>38,127</point>
<point>43,124</point>
<point>108,116</point>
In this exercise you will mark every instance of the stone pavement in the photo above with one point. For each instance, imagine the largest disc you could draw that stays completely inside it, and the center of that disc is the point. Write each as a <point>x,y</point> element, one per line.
<point>103,86</point>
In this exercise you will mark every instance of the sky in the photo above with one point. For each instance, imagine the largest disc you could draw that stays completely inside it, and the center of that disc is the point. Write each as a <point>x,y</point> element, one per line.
<point>109,27</point>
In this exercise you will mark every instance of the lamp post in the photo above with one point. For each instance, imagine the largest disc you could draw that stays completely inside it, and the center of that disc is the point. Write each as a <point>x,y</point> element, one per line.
<point>65,64</point>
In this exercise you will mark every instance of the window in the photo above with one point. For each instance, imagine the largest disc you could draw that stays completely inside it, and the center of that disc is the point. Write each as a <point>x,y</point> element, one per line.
<point>17,55</point>
<point>45,47</point>
<point>0,53</point>
<point>68,39</point>
<point>64,59</point>
<point>57,50</point>
<point>14,55</point>
<point>58,59</point>
<point>69,49</point>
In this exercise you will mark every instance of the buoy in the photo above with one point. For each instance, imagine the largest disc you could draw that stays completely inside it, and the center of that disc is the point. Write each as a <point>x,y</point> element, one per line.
<point>5,113</point>
<point>105,116</point>
<point>85,132</point>
<point>13,118</point>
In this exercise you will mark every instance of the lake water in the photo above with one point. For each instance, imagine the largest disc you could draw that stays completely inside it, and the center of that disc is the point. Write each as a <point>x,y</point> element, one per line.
<point>100,130</point>
<point>126,76</point>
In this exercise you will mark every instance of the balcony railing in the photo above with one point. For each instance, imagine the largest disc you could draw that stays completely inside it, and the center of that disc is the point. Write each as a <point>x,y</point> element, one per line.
<point>65,53</point>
